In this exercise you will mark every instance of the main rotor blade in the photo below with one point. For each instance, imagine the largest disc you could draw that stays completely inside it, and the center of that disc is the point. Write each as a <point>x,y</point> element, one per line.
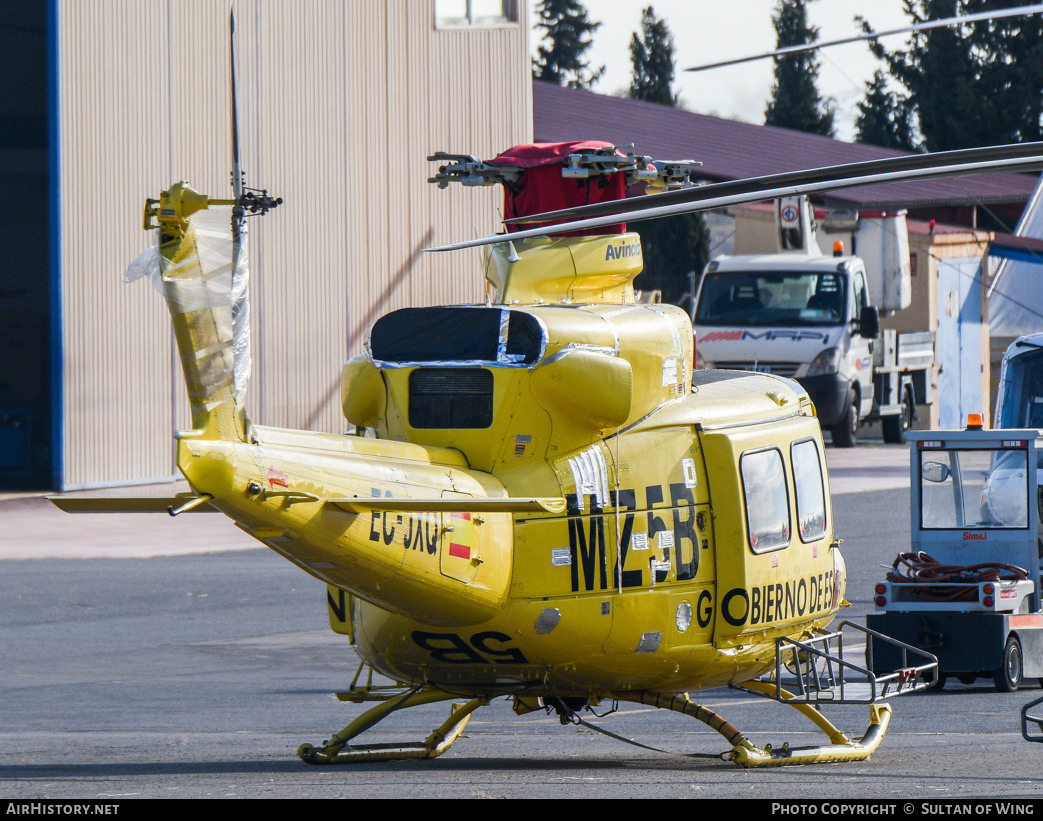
<point>1015,163</point>
<point>754,184</point>
<point>1036,8</point>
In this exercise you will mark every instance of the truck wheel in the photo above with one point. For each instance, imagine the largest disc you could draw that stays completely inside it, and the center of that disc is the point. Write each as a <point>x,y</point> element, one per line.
<point>845,432</point>
<point>895,426</point>
<point>1011,673</point>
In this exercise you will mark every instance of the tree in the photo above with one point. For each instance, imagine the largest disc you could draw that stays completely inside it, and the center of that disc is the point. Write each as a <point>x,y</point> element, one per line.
<point>1012,71</point>
<point>974,84</point>
<point>652,56</point>
<point>884,119</point>
<point>795,102</point>
<point>567,36</point>
<point>673,247</point>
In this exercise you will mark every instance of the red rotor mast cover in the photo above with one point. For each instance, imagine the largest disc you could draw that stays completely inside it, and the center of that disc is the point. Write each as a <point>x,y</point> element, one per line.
<point>541,187</point>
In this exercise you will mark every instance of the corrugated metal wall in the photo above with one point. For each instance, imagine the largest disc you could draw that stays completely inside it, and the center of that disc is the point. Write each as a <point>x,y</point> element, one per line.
<point>341,101</point>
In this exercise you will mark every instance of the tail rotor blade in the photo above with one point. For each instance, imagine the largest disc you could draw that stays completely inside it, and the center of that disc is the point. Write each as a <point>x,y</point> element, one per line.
<point>237,172</point>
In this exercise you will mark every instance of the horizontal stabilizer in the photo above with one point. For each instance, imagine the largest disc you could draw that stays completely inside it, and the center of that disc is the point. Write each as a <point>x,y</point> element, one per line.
<point>128,504</point>
<point>462,505</point>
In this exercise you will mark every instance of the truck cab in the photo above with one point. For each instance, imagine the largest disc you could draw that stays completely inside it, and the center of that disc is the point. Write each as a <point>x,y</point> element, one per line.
<point>805,317</point>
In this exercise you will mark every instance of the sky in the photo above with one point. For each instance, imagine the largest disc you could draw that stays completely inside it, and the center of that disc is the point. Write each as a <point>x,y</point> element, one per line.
<point>706,31</point>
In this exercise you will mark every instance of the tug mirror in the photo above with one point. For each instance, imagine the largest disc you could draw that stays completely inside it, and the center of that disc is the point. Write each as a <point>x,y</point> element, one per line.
<point>935,472</point>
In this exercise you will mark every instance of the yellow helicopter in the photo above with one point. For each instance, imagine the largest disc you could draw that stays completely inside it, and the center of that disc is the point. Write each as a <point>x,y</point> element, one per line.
<point>541,498</point>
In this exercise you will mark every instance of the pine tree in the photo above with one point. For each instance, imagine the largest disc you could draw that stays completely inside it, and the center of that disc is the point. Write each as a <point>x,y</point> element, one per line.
<point>975,84</point>
<point>672,248</point>
<point>567,36</point>
<point>795,101</point>
<point>884,119</point>
<point>1012,71</point>
<point>652,56</point>
<point>938,68</point>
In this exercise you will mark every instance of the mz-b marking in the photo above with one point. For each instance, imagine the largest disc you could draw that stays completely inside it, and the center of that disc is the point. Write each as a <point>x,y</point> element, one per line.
<point>589,552</point>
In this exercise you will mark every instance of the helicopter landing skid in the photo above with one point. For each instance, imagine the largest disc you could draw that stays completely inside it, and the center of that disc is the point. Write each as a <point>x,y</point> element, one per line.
<point>879,717</point>
<point>747,755</point>
<point>338,751</point>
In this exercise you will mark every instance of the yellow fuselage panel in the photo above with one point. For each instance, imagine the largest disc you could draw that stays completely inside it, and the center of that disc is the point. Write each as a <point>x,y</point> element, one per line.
<point>629,641</point>
<point>603,368</point>
<point>636,586</point>
<point>576,269</point>
<point>330,444</point>
<point>462,573</point>
<point>767,592</point>
<point>520,428</point>
<point>656,340</point>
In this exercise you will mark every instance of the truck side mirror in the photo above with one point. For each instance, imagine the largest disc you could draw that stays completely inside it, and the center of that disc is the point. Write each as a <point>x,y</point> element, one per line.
<point>869,327</point>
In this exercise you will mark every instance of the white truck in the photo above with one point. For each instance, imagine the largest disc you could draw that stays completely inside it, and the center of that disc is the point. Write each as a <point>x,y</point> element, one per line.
<point>816,319</point>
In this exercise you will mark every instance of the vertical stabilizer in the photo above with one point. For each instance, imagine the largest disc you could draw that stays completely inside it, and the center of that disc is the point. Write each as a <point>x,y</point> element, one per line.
<point>203,276</point>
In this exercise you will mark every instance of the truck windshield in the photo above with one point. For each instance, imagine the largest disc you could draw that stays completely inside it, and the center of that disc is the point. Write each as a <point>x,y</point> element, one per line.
<point>790,299</point>
<point>974,489</point>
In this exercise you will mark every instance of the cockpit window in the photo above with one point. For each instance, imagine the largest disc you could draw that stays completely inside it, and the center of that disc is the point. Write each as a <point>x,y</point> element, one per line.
<point>788,298</point>
<point>453,337</point>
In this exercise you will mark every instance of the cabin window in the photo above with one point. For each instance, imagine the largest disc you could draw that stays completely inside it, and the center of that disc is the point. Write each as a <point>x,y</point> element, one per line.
<point>474,12</point>
<point>457,336</point>
<point>450,398</point>
<point>810,490</point>
<point>766,498</point>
